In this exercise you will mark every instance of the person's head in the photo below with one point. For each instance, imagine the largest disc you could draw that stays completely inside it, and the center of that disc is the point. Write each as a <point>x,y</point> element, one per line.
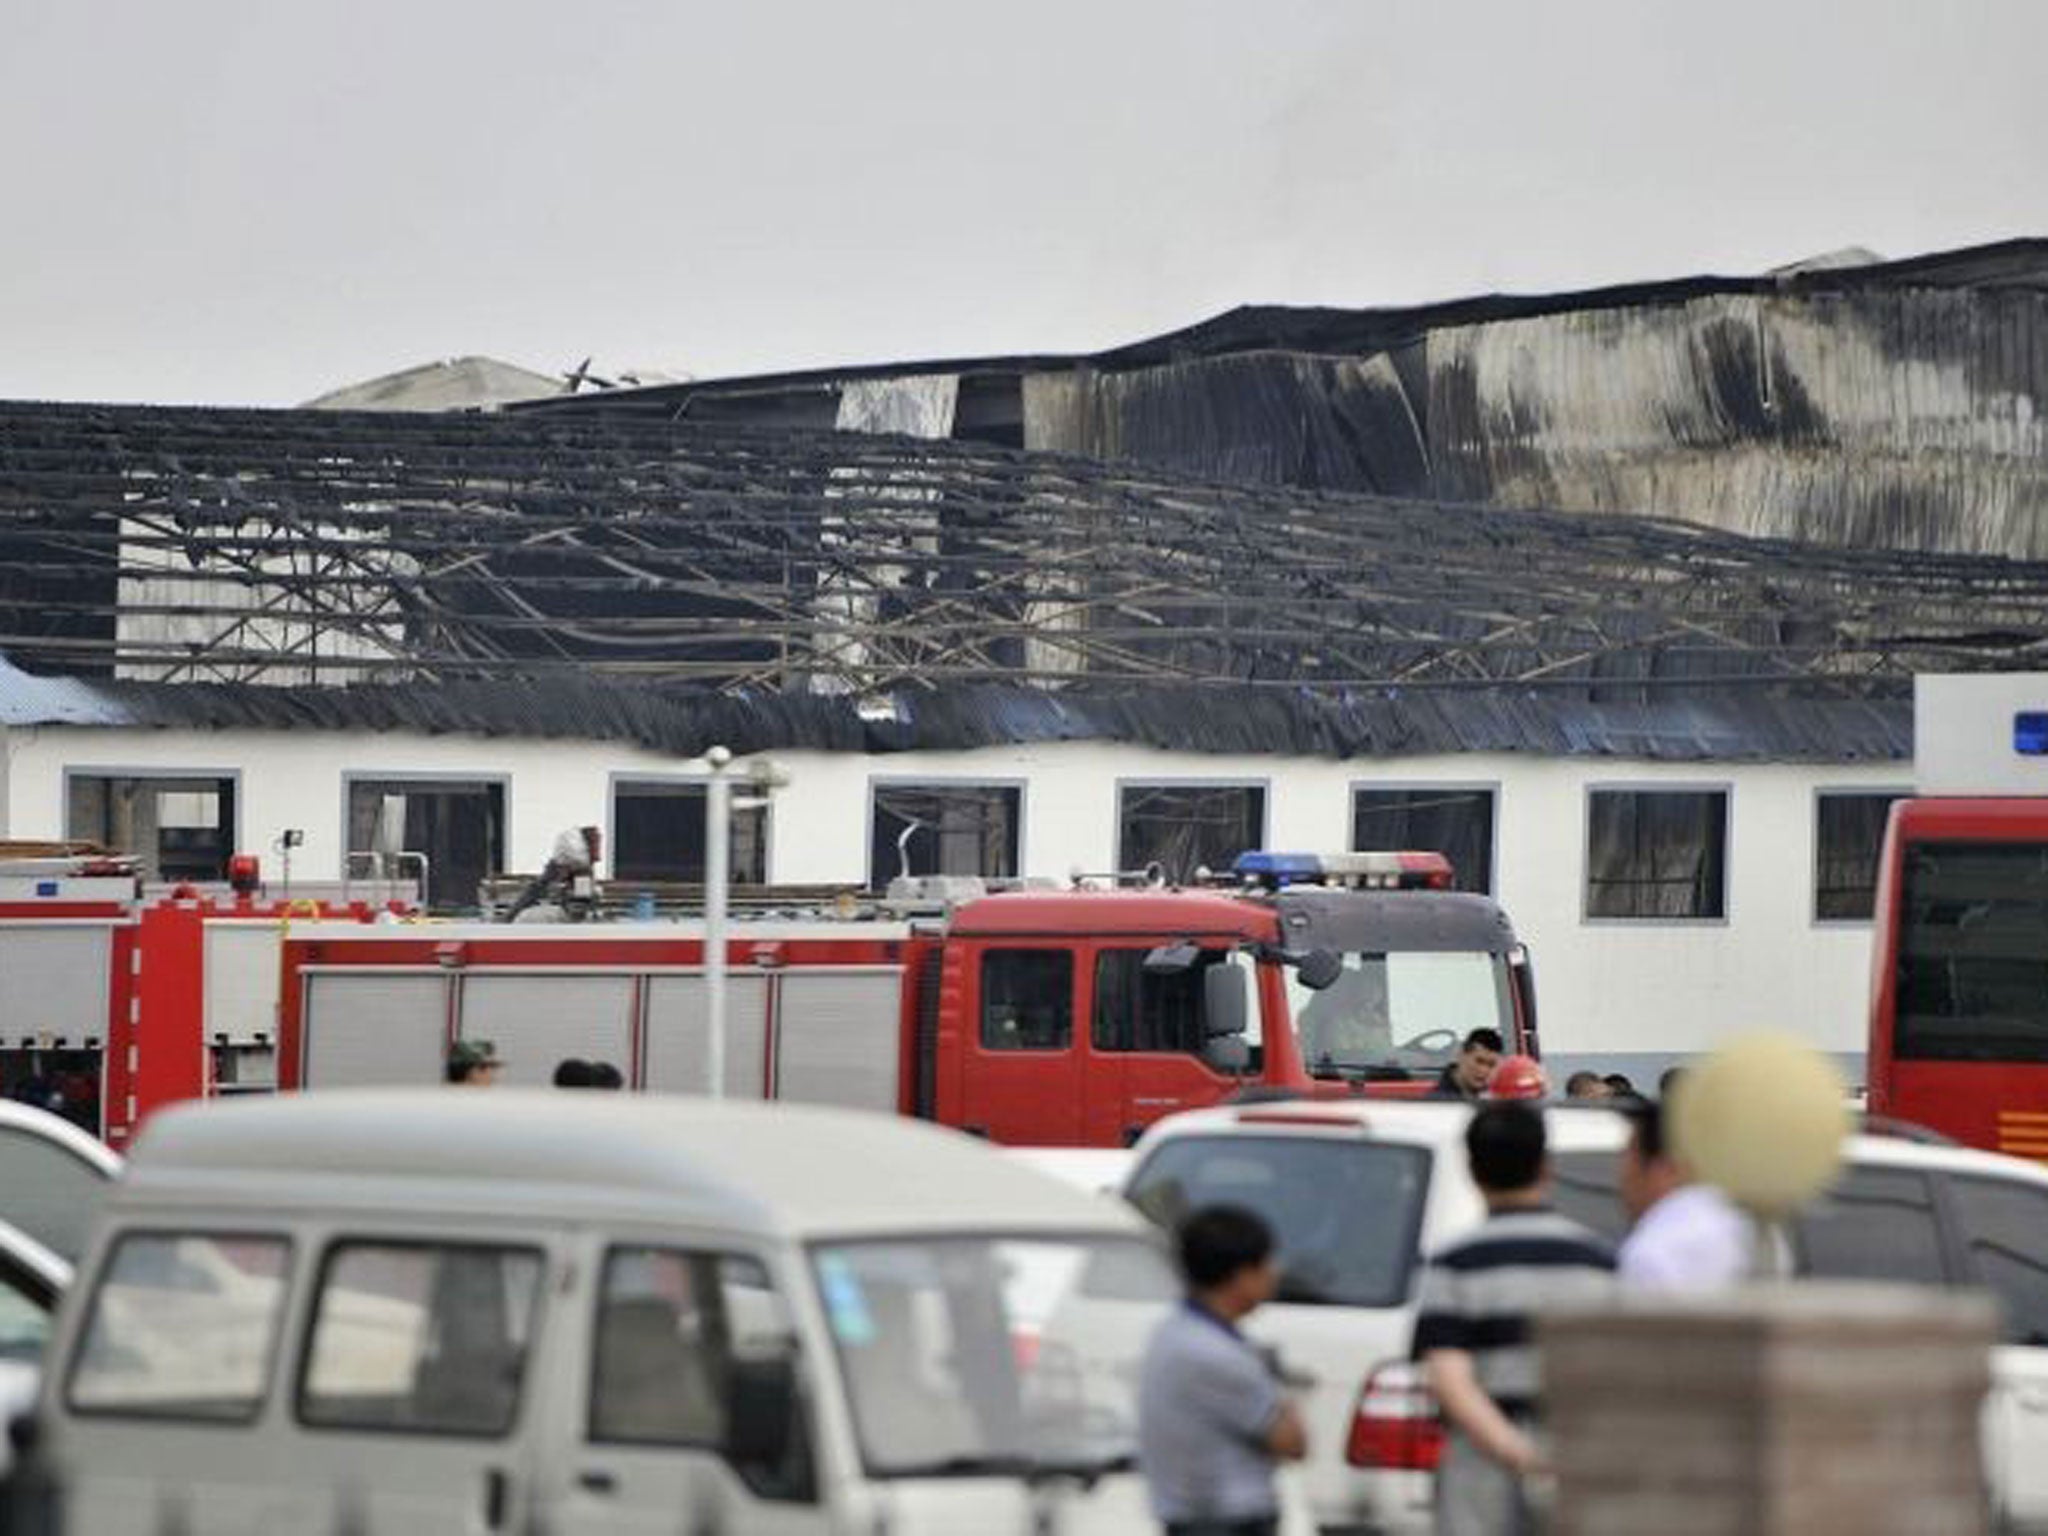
<point>1477,1057</point>
<point>473,1064</point>
<point>1649,1169</point>
<point>604,1075</point>
<point>1587,1085</point>
<point>1671,1078</point>
<point>1226,1257</point>
<point>573,1072</point>
<point>1505,1146</point>
<point>1618,1082</point>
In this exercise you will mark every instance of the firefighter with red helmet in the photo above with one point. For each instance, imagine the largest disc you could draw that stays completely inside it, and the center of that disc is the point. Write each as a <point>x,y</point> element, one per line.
<point>1518,1077</point>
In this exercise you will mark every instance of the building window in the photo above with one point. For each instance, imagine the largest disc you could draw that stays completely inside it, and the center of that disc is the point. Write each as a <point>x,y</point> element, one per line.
<point>1660,854</point>
<point>1457,823</point>
<point>1186,827</point>
<point>177,828</point>
<point>457,824</point>
<point>1848,834</point>
<point>944,829</point>
<point>1027,1000</point>
<point>658,834</point>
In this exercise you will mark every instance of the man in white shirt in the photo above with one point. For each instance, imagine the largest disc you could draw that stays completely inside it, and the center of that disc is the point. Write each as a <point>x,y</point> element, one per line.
<point>1687,1236</point>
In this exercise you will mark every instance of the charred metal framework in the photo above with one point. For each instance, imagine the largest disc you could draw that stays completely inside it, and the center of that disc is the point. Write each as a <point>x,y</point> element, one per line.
<point>225,546</point>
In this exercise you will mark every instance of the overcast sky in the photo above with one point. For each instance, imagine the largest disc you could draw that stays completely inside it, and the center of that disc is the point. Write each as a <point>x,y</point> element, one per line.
<point>257,202</point>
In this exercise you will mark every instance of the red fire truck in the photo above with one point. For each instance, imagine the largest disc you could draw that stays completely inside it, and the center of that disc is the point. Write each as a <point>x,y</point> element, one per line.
<point>1042,1016</point>
<point>1959,963</point>
<point>116,999</point>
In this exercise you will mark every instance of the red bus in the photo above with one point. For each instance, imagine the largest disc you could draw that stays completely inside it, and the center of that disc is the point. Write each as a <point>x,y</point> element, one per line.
<point>1959,971</point>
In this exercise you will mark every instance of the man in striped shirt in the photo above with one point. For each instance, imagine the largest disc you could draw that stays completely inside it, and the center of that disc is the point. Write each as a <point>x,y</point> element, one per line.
<point>1473,1333</point>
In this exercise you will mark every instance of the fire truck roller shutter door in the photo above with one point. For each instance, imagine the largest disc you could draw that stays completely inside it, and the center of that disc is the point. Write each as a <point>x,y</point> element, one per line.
<point>536,1021</point>
<point>676,1034</point>
<point>839,1031</point>
<point>56,976</point>
<point>375,1029</point>
<point>241,979</point>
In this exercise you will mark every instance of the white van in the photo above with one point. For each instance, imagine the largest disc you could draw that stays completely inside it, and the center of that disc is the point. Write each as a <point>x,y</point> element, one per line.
<point>496,1311</point>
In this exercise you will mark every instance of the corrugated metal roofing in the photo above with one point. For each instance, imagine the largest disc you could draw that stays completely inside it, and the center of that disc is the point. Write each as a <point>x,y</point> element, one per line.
<point>1687,727</point>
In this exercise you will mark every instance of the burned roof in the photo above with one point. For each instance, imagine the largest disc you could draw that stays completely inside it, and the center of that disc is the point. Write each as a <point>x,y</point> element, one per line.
<point>673,584</point>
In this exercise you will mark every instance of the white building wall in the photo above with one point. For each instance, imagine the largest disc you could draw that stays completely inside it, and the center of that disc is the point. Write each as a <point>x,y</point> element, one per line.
<point>1605,987</point>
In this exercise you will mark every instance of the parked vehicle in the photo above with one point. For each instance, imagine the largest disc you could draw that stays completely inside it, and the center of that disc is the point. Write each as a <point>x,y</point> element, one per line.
<point>1031,1017</point>
<point>1959,932</point>
<point>52,1178</point>
<point>1358,1192</point>
<point>501,1311</point>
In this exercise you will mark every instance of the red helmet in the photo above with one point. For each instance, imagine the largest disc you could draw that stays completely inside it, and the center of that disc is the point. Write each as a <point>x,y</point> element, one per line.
<point>1518,1077</point>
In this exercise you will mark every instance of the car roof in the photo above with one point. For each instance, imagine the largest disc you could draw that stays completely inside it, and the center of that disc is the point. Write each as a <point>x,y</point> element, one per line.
<point>56,1129</point>
<point>1433,1122</point>
<point>783,1169</point>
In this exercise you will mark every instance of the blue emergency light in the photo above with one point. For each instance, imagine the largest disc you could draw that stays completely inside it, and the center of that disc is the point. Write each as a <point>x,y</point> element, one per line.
<point>1277,869</point>
<point>2030,733</point>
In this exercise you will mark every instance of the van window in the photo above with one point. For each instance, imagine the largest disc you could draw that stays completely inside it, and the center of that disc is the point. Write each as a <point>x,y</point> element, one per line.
<point>1027,1000</point>
<point>1875,1224</point>
<point>420,1337</point>
<point>2005,1228</point>
<point>1347,1215</point>
<point>182,1326</point>
<point>683,1340</point>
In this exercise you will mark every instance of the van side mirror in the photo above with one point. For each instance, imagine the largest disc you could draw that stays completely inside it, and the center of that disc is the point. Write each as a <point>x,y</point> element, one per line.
<point>1225,1006</point>
<point>1319,968</point>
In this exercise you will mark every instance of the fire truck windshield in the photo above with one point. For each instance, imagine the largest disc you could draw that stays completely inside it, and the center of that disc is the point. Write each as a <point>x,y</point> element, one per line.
<point>1403,1012</point>
<point>1972,958</point>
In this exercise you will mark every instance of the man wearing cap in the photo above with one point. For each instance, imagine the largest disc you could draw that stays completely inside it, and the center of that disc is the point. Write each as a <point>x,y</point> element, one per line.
<point>473,1064</point>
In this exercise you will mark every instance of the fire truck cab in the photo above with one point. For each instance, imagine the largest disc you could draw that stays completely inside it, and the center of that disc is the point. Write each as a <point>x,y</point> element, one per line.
<point>1037,1016</point>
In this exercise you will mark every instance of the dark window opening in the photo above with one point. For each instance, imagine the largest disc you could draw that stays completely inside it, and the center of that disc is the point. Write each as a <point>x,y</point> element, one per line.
<point>1971,982</point>
<point>459,825</point>
<point>177,829</point>
<point>1187,827</point>
<point>1140,1010</point>
<point>1848,835</point>
<point>1457,823</point>
<point>658,834</point>
<point>944,829</point>
<point>1657,854</point>
<point>1027,1000</point>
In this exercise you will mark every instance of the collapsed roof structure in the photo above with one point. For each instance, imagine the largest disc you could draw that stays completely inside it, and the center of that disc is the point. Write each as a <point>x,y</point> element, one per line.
<point>645,579</point>
<point>1901,404</point>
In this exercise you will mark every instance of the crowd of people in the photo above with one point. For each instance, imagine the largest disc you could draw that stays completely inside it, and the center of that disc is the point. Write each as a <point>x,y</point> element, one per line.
<point>1214,1421</point>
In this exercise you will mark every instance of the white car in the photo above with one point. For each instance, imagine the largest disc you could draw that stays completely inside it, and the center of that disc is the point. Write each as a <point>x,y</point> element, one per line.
<point>1358,1191</point>
<point>52,1177</point>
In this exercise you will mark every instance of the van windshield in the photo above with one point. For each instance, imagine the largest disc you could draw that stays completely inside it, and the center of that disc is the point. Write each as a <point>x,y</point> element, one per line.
<point>1347,1215</point>
<point>992,1355</point>
<point>1399,1014</point>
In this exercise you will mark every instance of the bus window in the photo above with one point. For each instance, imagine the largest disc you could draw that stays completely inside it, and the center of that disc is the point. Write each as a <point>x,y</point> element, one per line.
<point>1972,968</point>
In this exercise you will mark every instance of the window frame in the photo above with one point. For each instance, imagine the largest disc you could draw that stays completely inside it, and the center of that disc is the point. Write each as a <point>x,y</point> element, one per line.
<point>502,782</point>
<point>309,1321</point>
<point>1491,788</point>
<point>1725,788</point>
<point>287,1309</point>
<point>1832,791</point>
<point>624,779</point>
<point>232,777</point>
<point>1124,783</point>
<point>880,781</point>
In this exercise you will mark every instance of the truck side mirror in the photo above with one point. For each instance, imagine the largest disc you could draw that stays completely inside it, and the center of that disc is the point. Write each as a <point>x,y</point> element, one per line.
<point>1319,968</point>
<point>1225,1006</point>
